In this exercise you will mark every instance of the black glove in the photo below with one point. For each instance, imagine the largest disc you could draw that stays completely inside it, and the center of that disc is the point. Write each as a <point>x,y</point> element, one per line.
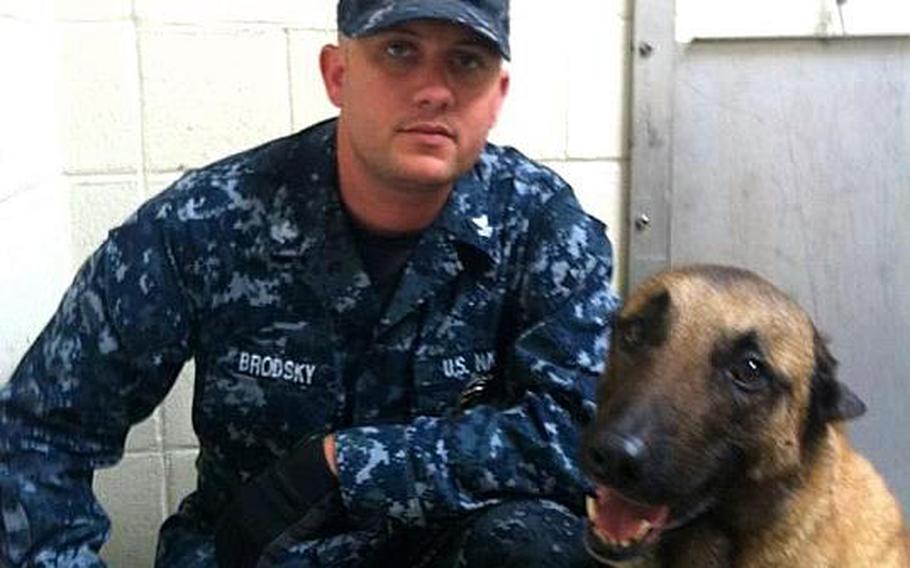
<point>299,487</point>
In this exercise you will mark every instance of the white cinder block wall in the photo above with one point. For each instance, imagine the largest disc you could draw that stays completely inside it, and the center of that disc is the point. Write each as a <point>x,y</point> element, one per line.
<point>106,102</point>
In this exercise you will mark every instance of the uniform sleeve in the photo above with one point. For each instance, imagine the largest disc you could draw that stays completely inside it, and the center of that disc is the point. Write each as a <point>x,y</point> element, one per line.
<point>438,467</point>
<point>104,361</point>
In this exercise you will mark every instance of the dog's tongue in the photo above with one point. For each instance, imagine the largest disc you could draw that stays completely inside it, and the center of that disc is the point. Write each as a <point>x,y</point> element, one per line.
<point>622,519</point>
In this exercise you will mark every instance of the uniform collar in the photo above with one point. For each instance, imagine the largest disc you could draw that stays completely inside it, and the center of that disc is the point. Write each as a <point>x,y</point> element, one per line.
<point>308,190</point>
<point>468,215</point>
<point>308,227</point>
<point>306,202</point>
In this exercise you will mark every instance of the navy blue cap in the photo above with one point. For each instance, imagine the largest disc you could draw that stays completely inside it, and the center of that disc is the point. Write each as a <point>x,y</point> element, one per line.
<point>488,18</point>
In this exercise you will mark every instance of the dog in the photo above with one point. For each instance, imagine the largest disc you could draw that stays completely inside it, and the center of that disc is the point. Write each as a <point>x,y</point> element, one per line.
<point>718,439</point>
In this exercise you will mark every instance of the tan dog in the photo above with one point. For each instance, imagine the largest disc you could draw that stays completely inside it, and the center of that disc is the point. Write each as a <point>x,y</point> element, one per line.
<point>718,441</point>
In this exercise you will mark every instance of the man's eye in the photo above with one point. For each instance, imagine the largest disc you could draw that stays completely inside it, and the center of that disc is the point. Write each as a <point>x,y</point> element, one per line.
<point>467,61</point>
<point>399,49</point>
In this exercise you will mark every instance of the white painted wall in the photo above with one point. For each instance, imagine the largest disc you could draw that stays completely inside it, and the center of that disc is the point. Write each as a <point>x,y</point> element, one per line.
<point>105,102</point>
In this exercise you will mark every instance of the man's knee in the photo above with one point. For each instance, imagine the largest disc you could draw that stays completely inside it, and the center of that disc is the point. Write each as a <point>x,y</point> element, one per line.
<point>526,534</point>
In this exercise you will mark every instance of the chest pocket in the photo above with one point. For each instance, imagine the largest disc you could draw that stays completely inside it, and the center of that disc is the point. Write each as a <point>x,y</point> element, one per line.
<point>267,388</point>
<point>457,357</point>
<point>455,380</point>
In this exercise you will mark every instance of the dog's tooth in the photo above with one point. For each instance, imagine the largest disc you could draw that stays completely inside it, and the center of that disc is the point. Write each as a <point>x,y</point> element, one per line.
<point>591,507</point>
<point>643,530</point>
<point>624,543</point>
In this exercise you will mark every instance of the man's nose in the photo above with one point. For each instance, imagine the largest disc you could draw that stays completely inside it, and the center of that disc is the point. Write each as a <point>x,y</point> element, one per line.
<point>434,87</point>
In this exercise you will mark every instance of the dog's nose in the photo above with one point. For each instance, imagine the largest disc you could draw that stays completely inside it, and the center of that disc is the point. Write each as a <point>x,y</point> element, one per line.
<point>620,458</point>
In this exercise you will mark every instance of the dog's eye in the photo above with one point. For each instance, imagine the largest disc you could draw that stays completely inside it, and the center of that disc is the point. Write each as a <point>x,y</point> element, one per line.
<point>748,373</point>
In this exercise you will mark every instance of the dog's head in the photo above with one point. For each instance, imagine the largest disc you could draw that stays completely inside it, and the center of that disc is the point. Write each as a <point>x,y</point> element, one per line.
<point>715,379</point>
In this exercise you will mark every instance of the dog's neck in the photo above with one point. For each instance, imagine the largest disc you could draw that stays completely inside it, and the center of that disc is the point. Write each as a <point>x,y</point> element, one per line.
<point>792,500</point>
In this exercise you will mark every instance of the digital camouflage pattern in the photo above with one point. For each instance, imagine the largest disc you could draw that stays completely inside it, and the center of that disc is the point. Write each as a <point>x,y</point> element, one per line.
<point>488,18</point>
<point>521,534</point>
<point>469,388</point>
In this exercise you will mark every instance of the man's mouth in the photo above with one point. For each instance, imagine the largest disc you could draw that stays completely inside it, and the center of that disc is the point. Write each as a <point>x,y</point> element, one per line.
<point>621,528</point>
<point>429,130</point>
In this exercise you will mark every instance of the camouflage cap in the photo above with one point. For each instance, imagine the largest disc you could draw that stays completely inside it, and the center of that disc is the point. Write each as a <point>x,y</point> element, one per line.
<point>488,18</point>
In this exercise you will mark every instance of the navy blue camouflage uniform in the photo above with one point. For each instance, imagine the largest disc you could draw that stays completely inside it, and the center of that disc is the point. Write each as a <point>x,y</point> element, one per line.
<point>466,391</point>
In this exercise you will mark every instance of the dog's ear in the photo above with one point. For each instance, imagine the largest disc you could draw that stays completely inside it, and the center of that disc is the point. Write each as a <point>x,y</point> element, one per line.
<point>831,399</point>
<point>648,326</point>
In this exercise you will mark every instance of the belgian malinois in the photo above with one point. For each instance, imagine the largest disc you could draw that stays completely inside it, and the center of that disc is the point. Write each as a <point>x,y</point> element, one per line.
<point>719,440</point>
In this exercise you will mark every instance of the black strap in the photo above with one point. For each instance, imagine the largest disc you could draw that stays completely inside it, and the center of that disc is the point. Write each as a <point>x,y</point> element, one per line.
<point>276,500</point>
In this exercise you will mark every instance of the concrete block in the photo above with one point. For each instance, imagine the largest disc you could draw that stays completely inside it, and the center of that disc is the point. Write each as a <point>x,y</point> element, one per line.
<point>35,256</point>
<point>99,97</point>
<point>534,116</point>
<point>601,189</point>
<point>26,10</point>
<point>310,103</point>
<point>29,139</point>
<point>92,10</point>
<point>316,14</point>
<point>98,205</point>
<point>132,493</point>
<point>177,412</point>
<point>621,8</point>
<point>208,93</point>
<point>34,213</point>
<point>181,476</point>
<point>599,89</point>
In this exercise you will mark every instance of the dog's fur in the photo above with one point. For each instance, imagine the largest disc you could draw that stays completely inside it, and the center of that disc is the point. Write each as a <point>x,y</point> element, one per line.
<point>725,405</point>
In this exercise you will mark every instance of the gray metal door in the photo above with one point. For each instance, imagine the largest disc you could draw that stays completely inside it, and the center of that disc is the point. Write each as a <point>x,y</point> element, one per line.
<point>792,158</point>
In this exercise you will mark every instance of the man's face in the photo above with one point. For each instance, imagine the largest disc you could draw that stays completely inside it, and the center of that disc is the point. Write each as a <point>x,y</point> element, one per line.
<point>417,102</point>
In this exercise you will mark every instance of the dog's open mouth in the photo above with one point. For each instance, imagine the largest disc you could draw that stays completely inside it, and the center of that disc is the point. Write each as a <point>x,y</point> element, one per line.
<point>621,529</point>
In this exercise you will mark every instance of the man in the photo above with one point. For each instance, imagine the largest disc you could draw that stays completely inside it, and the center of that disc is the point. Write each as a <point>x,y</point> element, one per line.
<point>396,330</point>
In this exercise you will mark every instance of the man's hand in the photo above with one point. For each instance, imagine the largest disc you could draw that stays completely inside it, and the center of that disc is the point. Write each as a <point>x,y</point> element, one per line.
<point>299,490</point>
<point>328,448</point>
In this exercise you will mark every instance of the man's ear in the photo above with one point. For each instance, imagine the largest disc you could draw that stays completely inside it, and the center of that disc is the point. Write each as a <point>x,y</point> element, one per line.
<point>503,87</point>
<point>831,399</point>
<point>332,67</point>
<point>505,80</point>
